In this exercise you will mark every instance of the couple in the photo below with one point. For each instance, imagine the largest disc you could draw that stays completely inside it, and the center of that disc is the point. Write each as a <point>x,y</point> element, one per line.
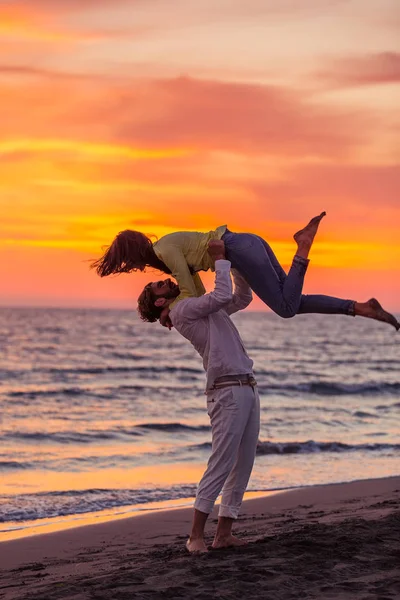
<point>233,403</point>
<point>232,397</point>
<point>184,254</point>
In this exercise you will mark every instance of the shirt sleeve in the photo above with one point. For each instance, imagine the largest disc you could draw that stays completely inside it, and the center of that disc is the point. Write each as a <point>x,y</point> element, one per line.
<point>242,294</point>
<point>196,308</point>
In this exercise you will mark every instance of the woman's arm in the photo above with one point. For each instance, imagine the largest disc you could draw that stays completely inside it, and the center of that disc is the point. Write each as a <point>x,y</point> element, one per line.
<point>220,297</point>
<point>201,290</point>
<point>175,260</point>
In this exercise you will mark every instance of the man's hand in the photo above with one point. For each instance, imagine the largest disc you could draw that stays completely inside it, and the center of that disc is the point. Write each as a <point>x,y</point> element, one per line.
<point>216,249</point>
<point>165,320</point>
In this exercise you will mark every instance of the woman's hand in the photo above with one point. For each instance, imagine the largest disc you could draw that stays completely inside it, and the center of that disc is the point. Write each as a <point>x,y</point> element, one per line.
<point>165,320</point>
<point>216,249</point>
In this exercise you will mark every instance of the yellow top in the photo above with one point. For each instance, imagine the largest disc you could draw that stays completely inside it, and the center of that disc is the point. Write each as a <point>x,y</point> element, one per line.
<point>183,250</point>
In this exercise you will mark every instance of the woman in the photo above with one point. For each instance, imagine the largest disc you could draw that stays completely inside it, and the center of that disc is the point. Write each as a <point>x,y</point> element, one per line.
<point>184,253</point>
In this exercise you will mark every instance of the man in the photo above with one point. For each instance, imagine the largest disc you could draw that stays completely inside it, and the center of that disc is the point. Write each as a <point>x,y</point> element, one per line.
<point>232,398</point>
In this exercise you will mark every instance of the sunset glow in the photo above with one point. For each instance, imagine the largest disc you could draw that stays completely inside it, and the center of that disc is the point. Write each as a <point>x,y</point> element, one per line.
<point>164,116</point>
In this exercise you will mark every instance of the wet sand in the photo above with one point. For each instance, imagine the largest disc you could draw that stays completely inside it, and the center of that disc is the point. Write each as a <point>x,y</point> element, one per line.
<point>339,541</point>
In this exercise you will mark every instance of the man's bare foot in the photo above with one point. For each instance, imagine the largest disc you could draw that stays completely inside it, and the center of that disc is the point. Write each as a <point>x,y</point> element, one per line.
<point>373,310</point>
<point>228,542</point>
<point>305,236</point>
<point>196,546</point>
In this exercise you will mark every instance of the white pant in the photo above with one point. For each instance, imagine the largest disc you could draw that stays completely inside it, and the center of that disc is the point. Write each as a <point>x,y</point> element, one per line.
<point>235,424</point>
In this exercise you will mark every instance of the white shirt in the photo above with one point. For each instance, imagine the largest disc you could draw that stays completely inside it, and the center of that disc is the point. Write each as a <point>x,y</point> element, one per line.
<point>206,324</point>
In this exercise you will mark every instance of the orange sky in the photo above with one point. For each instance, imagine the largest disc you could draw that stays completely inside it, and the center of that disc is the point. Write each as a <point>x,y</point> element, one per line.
<point>160,116</point>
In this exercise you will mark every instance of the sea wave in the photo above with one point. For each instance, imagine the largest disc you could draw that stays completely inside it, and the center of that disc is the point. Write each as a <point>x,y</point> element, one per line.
<point>93,436</point>
<point>174,427</point>
<point>120,369</point>
<point>308,447</point>
<point>99,391</point>
<point>317,388</point>
<point>32,507</point>
<point>387,407</point>
<point>37,392</point>
<point>68,437</point>
<point>6,465</point>
<point>332,388</point>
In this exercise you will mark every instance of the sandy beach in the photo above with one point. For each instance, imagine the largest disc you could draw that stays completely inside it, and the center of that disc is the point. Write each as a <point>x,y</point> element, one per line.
<point>339,541</point>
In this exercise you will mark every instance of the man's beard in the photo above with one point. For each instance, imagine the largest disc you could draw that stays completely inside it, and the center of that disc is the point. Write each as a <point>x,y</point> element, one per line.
<point>171,294</point>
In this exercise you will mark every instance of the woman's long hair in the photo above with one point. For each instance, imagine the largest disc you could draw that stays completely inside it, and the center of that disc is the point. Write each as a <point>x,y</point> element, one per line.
<point>130,251</point>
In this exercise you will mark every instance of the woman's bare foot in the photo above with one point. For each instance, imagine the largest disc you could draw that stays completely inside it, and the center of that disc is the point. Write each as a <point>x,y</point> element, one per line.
<point>196,546</point>
<point>373,310</point>
<point>305,236</point>
<point>227,542</point>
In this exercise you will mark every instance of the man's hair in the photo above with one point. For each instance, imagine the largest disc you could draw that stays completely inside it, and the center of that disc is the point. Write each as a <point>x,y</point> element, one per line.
<point>146,307</point>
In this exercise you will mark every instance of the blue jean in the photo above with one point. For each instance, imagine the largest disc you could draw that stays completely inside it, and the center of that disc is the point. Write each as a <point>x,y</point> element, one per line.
<point>256,262</point>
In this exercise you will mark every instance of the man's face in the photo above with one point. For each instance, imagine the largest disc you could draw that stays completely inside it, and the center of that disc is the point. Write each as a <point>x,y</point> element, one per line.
<point>165,288</point>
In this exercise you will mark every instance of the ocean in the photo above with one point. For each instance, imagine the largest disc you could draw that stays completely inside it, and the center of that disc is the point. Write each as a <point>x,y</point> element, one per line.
<point>102,415</point>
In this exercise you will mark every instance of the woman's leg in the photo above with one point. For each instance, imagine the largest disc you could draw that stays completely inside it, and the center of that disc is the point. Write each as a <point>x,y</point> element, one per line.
<point>328,305</point>
<point>254,258</point>
<point>281,292</point>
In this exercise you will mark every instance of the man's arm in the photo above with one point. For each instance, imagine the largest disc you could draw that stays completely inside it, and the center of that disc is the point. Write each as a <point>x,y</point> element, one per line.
<point>242,294</point>
<point>196,308</point>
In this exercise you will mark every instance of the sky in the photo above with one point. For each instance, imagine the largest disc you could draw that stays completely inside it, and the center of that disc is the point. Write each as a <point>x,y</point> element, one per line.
<point>162,115</point>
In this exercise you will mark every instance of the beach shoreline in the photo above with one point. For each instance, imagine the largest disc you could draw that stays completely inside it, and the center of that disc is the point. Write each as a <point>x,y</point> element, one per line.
<point>345,531</point>
<point>58,524</point>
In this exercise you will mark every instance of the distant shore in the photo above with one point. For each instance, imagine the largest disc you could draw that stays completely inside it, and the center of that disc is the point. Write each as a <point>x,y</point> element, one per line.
<point>337,541</point>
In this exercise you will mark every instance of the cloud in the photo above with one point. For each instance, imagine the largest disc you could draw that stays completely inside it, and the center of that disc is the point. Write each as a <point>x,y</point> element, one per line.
<point>158,15</point>
<point>186,142</point>
<point>52,147</point>
<point>180,114</point>
<point>242,118</point>
<point>374,69</point>
<point>32,72</point>
<point>362,200</point>
<point>200,7</point>
<point>21,22</point>
<point>159,147</point>
<point>39,22</point>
